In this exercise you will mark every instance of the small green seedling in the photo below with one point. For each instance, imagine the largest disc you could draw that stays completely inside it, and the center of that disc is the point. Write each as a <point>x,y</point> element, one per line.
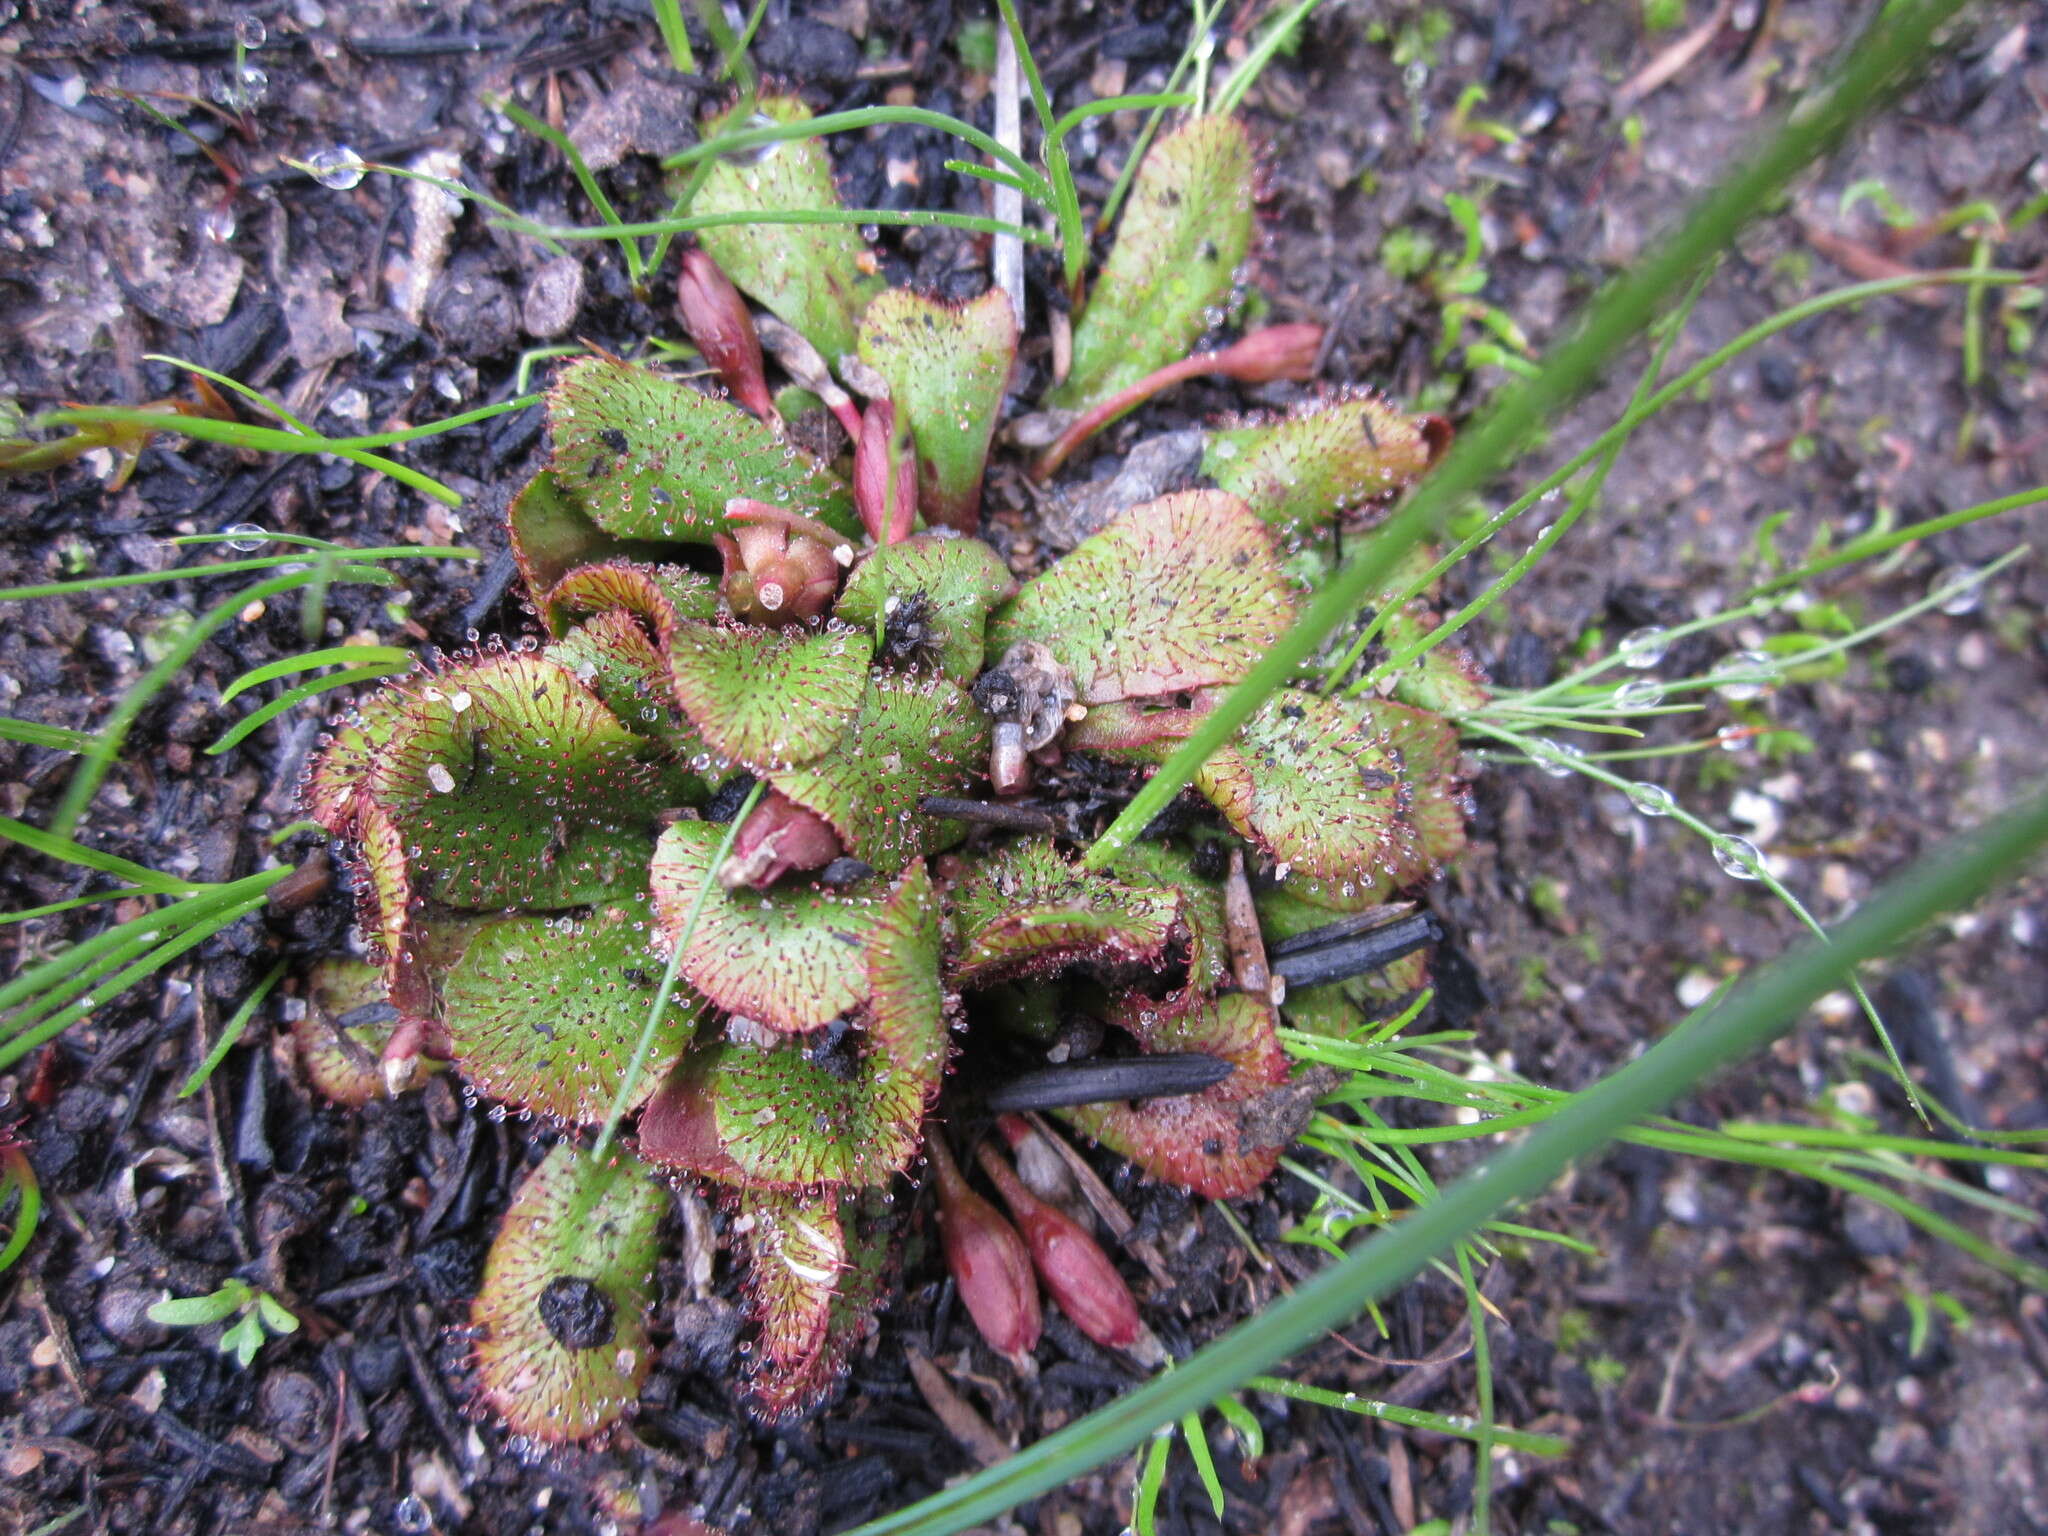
<point>256,1314</point>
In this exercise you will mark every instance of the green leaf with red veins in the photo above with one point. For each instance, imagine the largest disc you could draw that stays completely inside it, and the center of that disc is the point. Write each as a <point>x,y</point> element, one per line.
<point>1201,905</point>
<point>820,1267</point>
<point>1445,679</point>
<point>1300,472</point>
<point>1424,748</point>
<point>544,1012</point>
<point>611,655</point>
<point>561,1318</point>
<point>552,535</point>
<point>1224,1141</point>
<point>913,737</point>
<point>842,1107</point>
<point>1173,594</point>
<point>1183,236</point>
<point>1025,910</point>
<point>1313,788</point>
<point>789,959</point>
<point>650,458</point>
<point>509,781</point>
<point>959,580</point>
<point>340,1060</point>
<point>814,276</point>
<point>660,596</point>
<point>946,365</point>
<point>769,697</point>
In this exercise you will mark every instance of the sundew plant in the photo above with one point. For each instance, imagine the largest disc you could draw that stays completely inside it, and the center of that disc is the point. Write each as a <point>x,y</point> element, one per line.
<point>812,840</point>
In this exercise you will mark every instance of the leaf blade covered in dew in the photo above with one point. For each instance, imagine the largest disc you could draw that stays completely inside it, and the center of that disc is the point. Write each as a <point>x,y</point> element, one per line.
<point>946,365</point>
<point>542,1012</point>
<point>648,458</point>
<point>789,959</point>
<point>1302,470</point>
<point>768,697</point>
<point>960,582</point>
<point>815,277</point>
<point>805,1344</point>
<point>561,1316</point>
<point>1182,238</point>
<point>1178,593</point>
<point>510,780</point>
<point>1025,909</point>
<point>845,1108</point>
<point>913,737</point>
<point>1226,1140</point>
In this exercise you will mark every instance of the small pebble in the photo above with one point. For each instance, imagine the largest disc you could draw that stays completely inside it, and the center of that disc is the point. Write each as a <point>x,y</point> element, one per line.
<point>553,298</point>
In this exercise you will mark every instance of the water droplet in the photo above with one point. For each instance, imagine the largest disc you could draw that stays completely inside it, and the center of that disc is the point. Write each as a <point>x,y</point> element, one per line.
<point>338,169</point>
<point>250,32</point>
<point>1646,647</point>
<point>246,536</point>
<point>1737,857</point>
<point>1639,693</point>
<point>242,88</point>
<point>1650,799</point>
<point>1559,749</point>
<point>1735,738</point>
<point>1968,599</point>
<point>217,224</point>
<point>1745,675</point>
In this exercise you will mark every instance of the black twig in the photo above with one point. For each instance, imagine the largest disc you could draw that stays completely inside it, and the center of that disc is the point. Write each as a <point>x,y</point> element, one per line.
<point>989,813</point>
<point>1355,956</point>
<point>1127,1077</point>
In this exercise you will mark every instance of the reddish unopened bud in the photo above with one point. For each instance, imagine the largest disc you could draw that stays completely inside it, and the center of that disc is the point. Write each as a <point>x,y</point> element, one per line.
<point>886,511</point>
<point>989,1264</point>
<point>722,326</point>
<point>778,837</point>
<point>1069,1261</point>
<point>1277,352</point>
<point>411,1039</point>
<point>779,567</point>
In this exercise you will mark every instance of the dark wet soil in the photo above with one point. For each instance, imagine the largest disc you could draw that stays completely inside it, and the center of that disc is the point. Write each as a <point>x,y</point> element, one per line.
<point>1737,1355</point>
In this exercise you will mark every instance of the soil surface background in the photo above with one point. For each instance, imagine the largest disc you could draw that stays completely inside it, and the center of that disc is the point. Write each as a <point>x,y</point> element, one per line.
<point>1734,1357</point>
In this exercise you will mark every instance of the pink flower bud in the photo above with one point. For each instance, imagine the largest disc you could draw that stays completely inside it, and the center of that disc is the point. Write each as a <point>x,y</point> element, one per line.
<point>721,325</point>
<point>1277,352</point>
<point>778,836</point>
<point>871,489</point>
<point>1069,1261</point>
<point>778,565</point>
<point>988,1262</point>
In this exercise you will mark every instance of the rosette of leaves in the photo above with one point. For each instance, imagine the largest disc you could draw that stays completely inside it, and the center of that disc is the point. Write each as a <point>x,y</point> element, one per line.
<point>563,906</point>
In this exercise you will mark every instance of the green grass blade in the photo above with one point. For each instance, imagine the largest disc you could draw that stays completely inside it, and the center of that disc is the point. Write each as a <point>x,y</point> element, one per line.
<point>1410,1418</point>
<point>1197,1440</point>
<point>21,1179</point>
<point>1754,1012</point>
<point>197,933</point>
<point>240,434</point>
<point>234,567</point>
<point>253,396</point>
<point>106,746</point>
<point>1897,39</point>
<point>340,655</point>
<point>1883,543</point>
<point>637,1063</point>
<point>231,1032</point>
<point>64,849</point>
<point>292,698</point>
<point>35,734</point>
<point>1706,367</point>
<point>28,913</point>
<point>1245,74</point>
